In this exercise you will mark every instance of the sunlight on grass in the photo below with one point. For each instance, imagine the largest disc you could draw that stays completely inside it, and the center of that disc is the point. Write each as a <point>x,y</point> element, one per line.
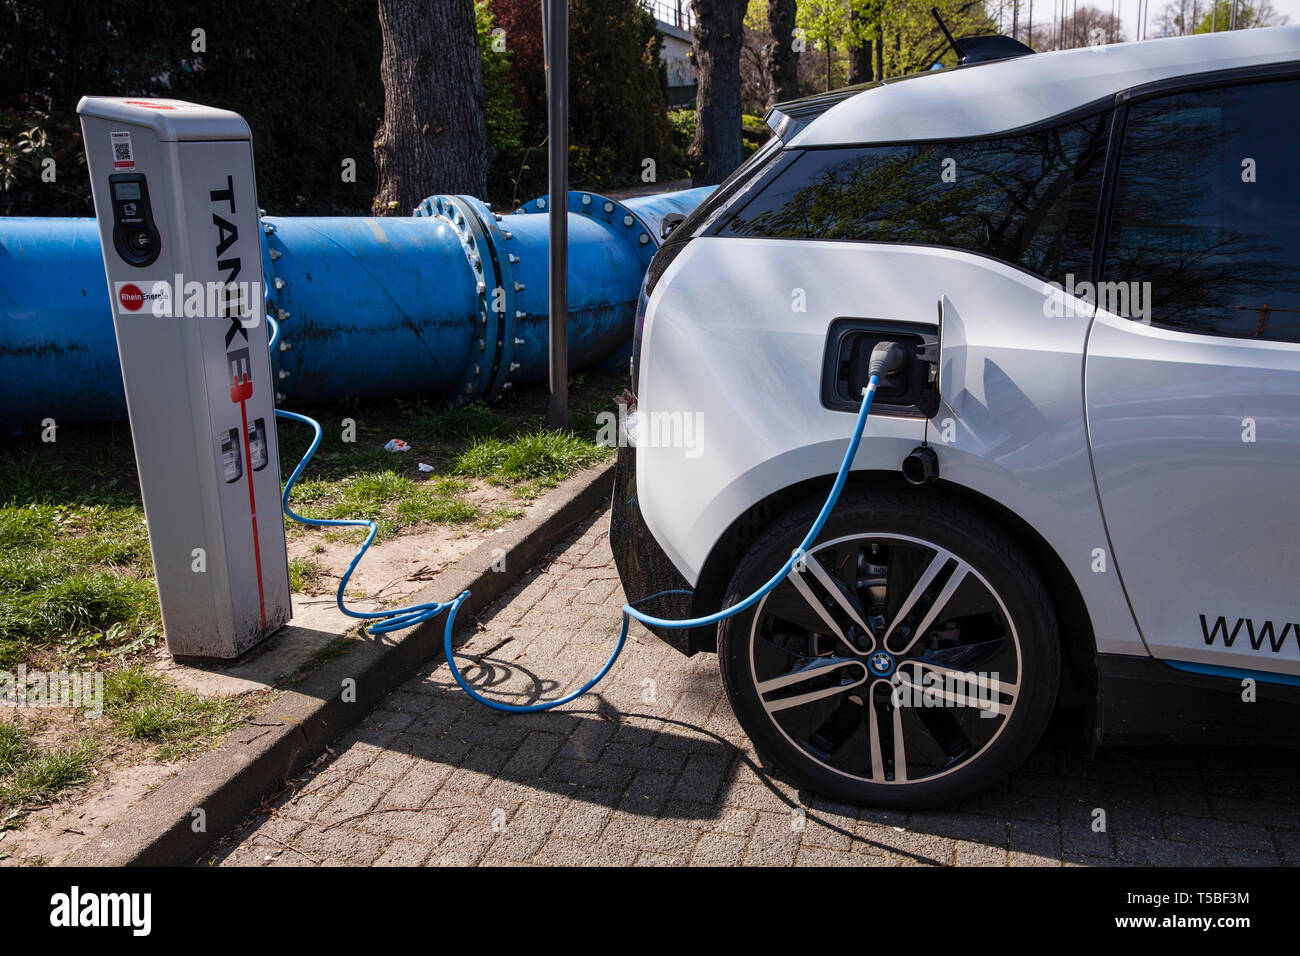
<point>534,455</point>
<point>72,570</point>
<point>303,573</point>
<point>146,707</point>
<point>29,779</point>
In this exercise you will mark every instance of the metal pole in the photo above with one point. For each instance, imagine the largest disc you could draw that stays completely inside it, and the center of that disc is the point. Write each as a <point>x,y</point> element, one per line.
<point>555,19</point>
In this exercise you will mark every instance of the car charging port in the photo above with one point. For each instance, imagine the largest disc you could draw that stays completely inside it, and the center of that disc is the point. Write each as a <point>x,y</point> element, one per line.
<point>908,381</point>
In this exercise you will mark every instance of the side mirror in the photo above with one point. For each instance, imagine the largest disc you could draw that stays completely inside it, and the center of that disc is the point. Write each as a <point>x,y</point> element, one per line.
<point>669,223</point>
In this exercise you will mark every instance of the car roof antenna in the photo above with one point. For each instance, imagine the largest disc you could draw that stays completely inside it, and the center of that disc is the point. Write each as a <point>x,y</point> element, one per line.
<point>956,47</point>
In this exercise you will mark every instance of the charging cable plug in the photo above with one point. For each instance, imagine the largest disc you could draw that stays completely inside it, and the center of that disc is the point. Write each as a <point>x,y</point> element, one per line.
<point>886,359</point>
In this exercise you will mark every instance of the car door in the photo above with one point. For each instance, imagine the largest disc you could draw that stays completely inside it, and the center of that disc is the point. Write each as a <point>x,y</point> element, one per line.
<point>1192,377</point>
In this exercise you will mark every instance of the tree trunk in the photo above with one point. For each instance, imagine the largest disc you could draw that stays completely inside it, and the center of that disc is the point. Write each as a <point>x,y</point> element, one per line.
<point>860,64</point>
<point>859,50</point>
<point>716,150</point>
<point>782,58</point>
<point>880,55</point>
<point>434,135</point>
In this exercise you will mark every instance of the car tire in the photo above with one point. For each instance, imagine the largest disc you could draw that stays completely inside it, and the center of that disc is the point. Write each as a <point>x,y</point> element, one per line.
<point>813,688</point>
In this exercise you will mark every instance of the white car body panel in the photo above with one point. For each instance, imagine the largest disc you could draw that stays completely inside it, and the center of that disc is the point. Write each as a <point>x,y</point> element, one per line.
<point>996,97</point>
<point>751,366</point>
<point>1196,445</point>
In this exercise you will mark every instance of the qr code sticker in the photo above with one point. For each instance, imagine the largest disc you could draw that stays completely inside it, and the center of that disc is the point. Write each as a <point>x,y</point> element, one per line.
<point>122,155</point>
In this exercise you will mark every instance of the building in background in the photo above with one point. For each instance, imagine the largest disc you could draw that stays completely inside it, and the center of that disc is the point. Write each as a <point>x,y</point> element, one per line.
<point>676,21</point>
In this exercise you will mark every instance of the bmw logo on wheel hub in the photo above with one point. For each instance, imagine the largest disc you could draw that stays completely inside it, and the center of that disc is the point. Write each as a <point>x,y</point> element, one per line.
<point>881,663</point>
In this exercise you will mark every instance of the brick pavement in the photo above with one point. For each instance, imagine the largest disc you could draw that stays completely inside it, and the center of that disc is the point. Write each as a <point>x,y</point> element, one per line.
<point>652,770</point>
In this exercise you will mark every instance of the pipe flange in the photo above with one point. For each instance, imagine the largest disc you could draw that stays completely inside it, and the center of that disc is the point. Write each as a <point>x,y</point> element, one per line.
<point>272,249</point>
<point>486,335</point>
<point>503,260</point>
<point>622,219</point>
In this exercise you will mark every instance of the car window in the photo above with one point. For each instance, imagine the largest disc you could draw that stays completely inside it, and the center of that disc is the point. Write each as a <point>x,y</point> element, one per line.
<point>1029,200</point>
<point>1206,215</point>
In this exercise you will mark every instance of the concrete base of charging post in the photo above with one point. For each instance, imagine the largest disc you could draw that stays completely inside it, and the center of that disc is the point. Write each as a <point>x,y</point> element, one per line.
<point>255,761</point>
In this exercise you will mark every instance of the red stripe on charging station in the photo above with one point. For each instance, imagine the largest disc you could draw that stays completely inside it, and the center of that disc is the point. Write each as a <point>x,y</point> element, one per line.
<point>252,507</point>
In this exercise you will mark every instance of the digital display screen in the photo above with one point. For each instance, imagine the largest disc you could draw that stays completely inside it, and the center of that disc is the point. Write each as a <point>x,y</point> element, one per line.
<point>126,190</point>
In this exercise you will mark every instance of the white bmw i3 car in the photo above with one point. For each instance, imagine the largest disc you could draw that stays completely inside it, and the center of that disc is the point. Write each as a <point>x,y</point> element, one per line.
<point>1081,488</point>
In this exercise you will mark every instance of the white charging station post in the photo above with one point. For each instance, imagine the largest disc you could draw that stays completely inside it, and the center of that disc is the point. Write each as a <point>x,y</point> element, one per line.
<point>176,202</point>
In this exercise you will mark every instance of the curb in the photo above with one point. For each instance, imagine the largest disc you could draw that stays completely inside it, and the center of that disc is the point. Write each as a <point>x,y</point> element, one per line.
<point>175,823</point>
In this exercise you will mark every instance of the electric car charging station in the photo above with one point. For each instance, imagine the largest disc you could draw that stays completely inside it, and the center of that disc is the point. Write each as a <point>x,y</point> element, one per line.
<point>978,449</point>
<point>176,203</point>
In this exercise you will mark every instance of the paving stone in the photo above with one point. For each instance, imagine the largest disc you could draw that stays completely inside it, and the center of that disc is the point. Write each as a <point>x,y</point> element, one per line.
<point>466,845</point>
<point>1221,833</point>
<point>962,826</point>
<point>1287,843</point>
<point>403,853</point>
<point>525,831</point>
<point>911,846</point>
<point>1034,844</point>
<point>971,853</point>
<point>562,852</point>
<point>775,841</point>
<point>1158,851</point>
<point>415,826</point>
<point>642,834</point>
<point>719,849</point>
<point>821,856</point>
<point>342,843</point>
<point>582,821</point>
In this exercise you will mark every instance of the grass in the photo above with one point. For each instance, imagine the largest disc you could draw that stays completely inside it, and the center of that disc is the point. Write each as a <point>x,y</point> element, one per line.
<point>70,569</point>
<point>144,706</point>
<point>16,747</point>
<point>30,778</point>
<point>304,573</point>
<point>496,517</point>
<point>534,456</point>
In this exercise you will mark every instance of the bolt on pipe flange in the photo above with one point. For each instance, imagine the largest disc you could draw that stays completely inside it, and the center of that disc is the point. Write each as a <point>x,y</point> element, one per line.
<point>621,219</point>
<point>488,325</point>
<point>271,284</point>
<point>492,246</point>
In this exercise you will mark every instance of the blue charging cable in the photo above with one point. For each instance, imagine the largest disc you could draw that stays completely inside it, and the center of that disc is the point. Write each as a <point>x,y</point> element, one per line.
<point>403,617</point>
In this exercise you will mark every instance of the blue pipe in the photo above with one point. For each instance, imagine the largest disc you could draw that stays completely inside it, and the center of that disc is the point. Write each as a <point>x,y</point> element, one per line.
<point>401,294</point>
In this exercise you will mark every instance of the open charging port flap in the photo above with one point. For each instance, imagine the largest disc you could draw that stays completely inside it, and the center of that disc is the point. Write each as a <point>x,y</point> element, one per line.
<point>910,392</point>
